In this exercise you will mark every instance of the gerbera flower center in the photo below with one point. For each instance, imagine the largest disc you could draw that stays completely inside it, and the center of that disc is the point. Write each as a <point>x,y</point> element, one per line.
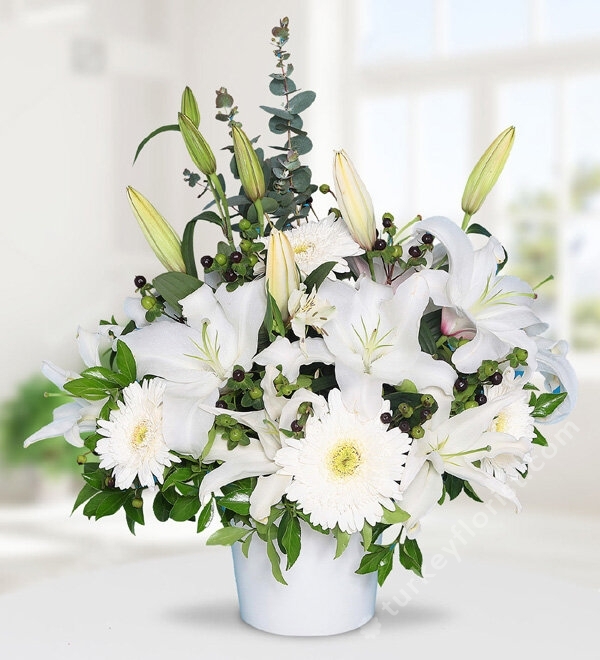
<point>344,459</point>
<point>501,424</point>
<point>304,248</point>
<point>139,434</point>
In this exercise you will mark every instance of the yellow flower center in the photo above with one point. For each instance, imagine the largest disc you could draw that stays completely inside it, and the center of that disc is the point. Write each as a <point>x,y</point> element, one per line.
<point>139,434</point>
<point>500,424</point>
<point>303,248</point>
<point>344,459</point>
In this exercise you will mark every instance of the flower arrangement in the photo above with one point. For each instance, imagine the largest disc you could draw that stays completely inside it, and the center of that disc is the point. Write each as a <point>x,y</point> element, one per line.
<point>337,371</point>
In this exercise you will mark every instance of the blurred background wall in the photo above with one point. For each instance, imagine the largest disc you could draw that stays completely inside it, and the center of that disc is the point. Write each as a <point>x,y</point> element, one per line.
<point>413,91</point>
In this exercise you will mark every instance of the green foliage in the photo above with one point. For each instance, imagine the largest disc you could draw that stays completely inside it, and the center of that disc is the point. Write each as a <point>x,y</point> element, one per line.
<point>174,287</point>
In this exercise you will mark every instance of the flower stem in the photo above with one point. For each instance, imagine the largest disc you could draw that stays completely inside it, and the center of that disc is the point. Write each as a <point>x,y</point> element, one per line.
<point>261,216</point>
<point>221,202</point>
<point>465,222</point>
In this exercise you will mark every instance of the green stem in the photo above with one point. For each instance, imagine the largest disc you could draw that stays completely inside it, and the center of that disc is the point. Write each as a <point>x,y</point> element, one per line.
<point>261,216</point>
<point>371,269</point>
<point>465,222</point>
<point>221,202</point>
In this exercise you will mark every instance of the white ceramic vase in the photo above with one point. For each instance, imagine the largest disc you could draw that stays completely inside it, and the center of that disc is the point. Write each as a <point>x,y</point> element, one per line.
<point>323,596</point>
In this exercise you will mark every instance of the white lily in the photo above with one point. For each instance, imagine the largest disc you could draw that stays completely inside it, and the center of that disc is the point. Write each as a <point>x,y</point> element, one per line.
<point>374,339</point>
<point>491,311</point>
<point>257,458</point>
<point>466,446</point>
<point>308,310</point>
<point>292,355</point>
<point>559,375</point>
<point>78,415</point>
<point>198,357</point>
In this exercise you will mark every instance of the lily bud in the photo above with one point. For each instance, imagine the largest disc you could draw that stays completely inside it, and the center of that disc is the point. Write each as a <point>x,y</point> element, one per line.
<point>197,146</point>
<point>282,276</point>
<point>161,237</point>
<point>485,174</point>
<point>189,107</point>
<point>354,201</point>
<point>248,165</point>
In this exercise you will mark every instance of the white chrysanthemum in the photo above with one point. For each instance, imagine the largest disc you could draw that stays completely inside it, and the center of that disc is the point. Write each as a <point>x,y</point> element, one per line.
<point>345,469</point>
<point>509,460</point>
<point>316,242</point>
<point>133,444</point>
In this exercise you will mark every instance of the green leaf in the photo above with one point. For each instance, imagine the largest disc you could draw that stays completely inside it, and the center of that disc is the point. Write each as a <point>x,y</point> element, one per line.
<point>187,242</point>
<point>453,485</point>
<point>105,503</point>
<point>301,101</point>
<point>411,557</point>
<point>112,378</point>
<point>96,477</point>
<point>162,129</point>
<point>205,516</point>
<point>179,475</point>
<point>367,536</point>
<point>318,275</point>
<point>246,545</point>
<point>185,508</point>
<point>84,495</point>
<point>161,507</point>
<point>370,562</point>
<point>430,331</point>
<point>88,388</point>
<point>238,502</point>
<point>227,536</point>
<point>125,361</point>
<point>279,87</point>
<point>275,561</point>
<point>385,566</point>
<point>342,540</point>
<point>174,286</point>
<point>475,228</point>
<point>301,179</point>
<point>539,439</point>
<point>470,492</point>
<point>301,143</point>
<point>398,515</point>
<point>133,513</point>
<point>291,541</point>
<point>547,403</point>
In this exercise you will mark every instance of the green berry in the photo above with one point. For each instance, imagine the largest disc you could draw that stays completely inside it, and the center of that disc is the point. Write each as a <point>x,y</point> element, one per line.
<point>137,502</point>
<point>521,354</point>
<point>471,404</point>
<point>245,245</point>
<point>220,259</point>
<point>427,400</point>
<point>245,224</point>
<point>236,434</point>
<point>405,410</point>
<point>324,188</point>
<point>252,260</point>
<point>81,459</point>
<point>417,432</point>
<point>255,393</point>
<point>148,302</point>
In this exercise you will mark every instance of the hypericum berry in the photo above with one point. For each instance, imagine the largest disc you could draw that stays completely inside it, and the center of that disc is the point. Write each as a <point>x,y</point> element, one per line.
<point>206,261</point>
<point>229,275</point>
<point>404,426</point>
<point>379,244</point>
<point>427,238</point>
<point>417,432</point>
<point>148,302</point>
<point>238,375</point>
<point>461,384</point>
<point>521,354</point>
<point>387,223</point>
<point>287,390</point>
<point>324,188</point>
<point>414,251</point>
<point>425,414</point>
<point>81,459</point>
<point>236,434</point>
<point>309,200</point>
<point>471,404</point>
<point>139,281</point>
<point>481,399</point>
<point>427,400</point>
<point>386,418</point>
<point>221,404</point>
<point>496,379</point>
<point>245,245</point>
<point>245,224</point>
<point>397,251</point>
<point>220,258</point>
<point>255,393</point>
<point>253,260</point>
<point>137,502</point>
<point>109,482</point>
<point>296,426</point>
<point>236,257</point>
<point>405,410</point>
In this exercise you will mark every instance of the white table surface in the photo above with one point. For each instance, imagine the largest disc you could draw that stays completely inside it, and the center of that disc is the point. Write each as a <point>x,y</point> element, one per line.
<point>186,607</point>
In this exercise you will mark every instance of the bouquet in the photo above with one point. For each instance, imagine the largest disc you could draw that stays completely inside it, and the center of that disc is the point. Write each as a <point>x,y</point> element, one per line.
<point>322,370</point>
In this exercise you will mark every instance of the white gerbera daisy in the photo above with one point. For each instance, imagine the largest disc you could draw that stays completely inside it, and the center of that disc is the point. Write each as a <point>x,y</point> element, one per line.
<point>516,418</point>
<point>345,469</point>
<point>316,242</point>
<point>133,444</point>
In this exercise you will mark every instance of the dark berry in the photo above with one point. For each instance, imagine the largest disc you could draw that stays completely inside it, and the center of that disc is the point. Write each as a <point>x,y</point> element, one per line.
<point>221,404</point>
<point>481,399</point>
<point>427,238</point>
<point>425,414</point>
<point>238,375</point>
<point>461,384</point>
<point>404,426</point>
<point>236,257</point>
<point>387,223</point>
<point>296,426</point>
<point>229,276</point>
<point>207,261</point>
<point>386,418</point>
<point>496,379</point>
<point>139,281</point>
<point>309,200</point>
<point>379,244</point>
<point>414,251</point>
